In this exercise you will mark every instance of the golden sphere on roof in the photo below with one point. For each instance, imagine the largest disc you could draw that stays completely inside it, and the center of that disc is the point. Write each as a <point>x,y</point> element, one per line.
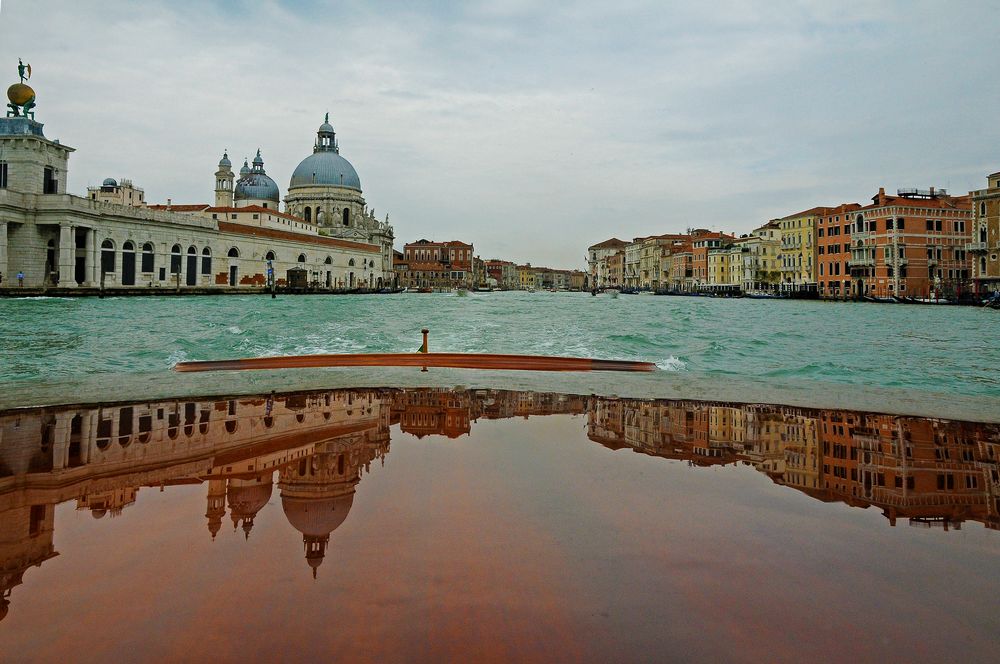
<point>20,94</point>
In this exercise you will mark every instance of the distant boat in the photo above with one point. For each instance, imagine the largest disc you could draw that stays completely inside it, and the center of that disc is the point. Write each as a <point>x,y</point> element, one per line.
<point>613,292</point>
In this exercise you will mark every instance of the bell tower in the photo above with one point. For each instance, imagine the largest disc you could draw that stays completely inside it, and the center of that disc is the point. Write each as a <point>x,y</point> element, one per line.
<point>224,182</point>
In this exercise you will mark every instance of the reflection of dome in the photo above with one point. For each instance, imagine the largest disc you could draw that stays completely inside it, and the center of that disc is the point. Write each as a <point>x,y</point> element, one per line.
<point>316,517</point>
<point>4,608</point>
<point>246,498</point>
<point>325,168</point>
<point>98,513</point>
<point>20,94</point>
<point>255,183</point>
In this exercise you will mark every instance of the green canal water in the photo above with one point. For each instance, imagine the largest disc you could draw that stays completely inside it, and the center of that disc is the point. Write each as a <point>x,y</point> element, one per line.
<point>923,360</point>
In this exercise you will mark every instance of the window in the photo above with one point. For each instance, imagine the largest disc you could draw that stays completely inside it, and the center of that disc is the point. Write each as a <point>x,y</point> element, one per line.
<point>982,206</point>
<point>937,224</point>
<point>302,258</point>
<point>888,224</point>
<point>900,224</point>
<point>269,256</point>
<point>307,214</point>
<point>234,253</point>
<point>3,175</point>
<point>107,256</point>
<point>49,183</point>
<point>347,217</point>
<point>206,261</point>
<point>175,259</point>
<point>147,257</point>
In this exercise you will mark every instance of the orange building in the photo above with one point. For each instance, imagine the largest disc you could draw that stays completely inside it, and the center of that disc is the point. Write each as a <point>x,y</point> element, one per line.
<point>701,242</point>
<point>616,269</point>
<point>833,249</point>
<point>428,264</point>
<point>912,244</point>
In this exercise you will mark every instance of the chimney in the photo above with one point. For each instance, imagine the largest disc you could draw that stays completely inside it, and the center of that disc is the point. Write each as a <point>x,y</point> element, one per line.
<point>932,192</point>
<point>169,201</point>
<point>881,195</point>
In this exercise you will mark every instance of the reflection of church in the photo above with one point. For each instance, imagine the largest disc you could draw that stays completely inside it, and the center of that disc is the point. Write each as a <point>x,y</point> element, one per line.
<point>317,446</point>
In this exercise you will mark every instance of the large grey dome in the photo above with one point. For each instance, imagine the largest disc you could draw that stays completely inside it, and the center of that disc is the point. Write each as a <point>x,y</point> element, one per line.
<point>325,168</point>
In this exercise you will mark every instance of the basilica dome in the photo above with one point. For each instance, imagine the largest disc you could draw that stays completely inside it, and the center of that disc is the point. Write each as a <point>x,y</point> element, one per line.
<point>256,184</point>
<point>325,166</point>
<point>316,517</point>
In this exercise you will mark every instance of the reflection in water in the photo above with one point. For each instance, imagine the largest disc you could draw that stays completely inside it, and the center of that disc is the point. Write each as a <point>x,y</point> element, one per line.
<point>319,444</point>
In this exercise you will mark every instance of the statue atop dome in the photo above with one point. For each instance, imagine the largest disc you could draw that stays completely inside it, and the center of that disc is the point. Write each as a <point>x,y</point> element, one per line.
<point>20,95</point>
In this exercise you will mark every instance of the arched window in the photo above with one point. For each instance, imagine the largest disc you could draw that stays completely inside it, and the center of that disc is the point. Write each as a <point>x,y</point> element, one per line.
<point>234,253</point>
<point>147,257</point>
<point>175,259</point>
<point>351,262</point>
<point>269,256</point>
<point>307,214</point>
<point>206,261</point>
<point>107,256</point>
<point>128,246</point>
<point>328,261</point>
<point>347,217</point>
<point>193,250</point>
<point>319,216</point>
<point>302,258</point>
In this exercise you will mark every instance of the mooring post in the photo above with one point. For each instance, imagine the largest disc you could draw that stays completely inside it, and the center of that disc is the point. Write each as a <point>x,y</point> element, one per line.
<point>425,332</point>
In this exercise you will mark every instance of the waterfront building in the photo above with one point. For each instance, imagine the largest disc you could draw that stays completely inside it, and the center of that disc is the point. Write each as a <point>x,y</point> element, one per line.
<point>630,266</point>
<point>504,273</point>
<point>525,276</point>
<point>984,246</point>
<point>429,264</point>
<point>762,258</point>
<point>682,268</point>
<point>833,251</point>
<point>913,244</point>
<point>111,239</point>
<point>577,280</point>
<point>717,261</point>
<point>736,250</point>
<point>651,253</point>
<point>597,260</point>
<point>701,242</point>
<point>615,269</point>
<point>798,250</point>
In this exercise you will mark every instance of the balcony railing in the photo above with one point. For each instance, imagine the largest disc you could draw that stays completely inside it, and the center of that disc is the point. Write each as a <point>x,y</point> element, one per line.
<point>976,247</point>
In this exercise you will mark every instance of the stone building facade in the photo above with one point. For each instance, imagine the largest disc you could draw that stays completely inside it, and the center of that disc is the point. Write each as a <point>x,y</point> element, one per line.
<point>984,246</point>
<point>112,239</point>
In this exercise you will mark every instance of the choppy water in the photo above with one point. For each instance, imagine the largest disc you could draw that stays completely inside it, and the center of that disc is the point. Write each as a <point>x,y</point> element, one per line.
<point>950,352</point>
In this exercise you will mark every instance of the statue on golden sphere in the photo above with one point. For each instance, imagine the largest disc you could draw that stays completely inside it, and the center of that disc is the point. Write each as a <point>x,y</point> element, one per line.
<point>20,95</point>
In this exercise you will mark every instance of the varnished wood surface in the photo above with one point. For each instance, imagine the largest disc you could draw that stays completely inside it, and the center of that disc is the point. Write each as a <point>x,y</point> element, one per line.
<point>449,360</point>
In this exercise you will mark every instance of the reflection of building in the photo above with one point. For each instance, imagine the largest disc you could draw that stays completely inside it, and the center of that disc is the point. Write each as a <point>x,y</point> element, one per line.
<point>320,444</point>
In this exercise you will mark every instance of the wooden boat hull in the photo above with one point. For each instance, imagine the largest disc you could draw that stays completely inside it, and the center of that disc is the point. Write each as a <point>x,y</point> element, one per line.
<point>422,360</point>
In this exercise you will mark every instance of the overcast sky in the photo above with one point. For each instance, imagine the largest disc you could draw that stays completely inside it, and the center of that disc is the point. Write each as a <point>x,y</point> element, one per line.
<point>531,129</point>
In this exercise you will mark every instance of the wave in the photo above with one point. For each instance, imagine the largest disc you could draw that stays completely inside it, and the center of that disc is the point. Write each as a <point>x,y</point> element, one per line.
<point>672,364</point>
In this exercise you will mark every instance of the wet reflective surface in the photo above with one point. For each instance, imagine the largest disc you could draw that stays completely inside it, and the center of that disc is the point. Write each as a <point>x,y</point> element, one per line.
<point>494,525</point>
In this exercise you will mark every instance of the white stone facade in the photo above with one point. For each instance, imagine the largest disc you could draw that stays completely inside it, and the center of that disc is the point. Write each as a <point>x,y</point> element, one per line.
<point>57,240</point>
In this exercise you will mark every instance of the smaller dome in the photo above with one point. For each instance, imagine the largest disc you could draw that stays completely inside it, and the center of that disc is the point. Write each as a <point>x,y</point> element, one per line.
<point>225,160</point>
<point>254,183</point>
<point>110,182</point>
<point>246,168</point>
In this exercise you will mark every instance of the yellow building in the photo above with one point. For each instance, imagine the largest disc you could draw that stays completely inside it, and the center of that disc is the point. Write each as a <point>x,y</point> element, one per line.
<point>798,249</point>
<point>985,244</point>
<point>526,276</point>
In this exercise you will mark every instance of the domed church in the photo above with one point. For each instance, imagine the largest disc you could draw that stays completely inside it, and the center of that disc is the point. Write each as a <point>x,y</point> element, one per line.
<point>326,190</point>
